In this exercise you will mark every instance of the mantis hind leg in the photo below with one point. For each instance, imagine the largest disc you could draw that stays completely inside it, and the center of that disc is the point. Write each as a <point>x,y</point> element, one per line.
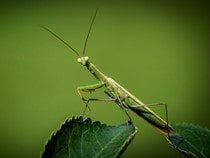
<point>136,107</point>
<point>151,104</point>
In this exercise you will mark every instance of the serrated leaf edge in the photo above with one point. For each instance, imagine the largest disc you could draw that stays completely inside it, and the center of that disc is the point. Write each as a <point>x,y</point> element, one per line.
<point>80,119</point>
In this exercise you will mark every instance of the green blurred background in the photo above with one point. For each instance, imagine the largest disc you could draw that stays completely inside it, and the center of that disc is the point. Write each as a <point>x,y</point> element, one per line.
<point>157,50</point>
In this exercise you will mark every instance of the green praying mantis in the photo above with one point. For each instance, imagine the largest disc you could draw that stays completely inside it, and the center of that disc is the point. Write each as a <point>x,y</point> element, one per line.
<point>115,91</point>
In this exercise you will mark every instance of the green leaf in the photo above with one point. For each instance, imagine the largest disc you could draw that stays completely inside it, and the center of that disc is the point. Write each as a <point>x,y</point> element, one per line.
<point>78,138</point>
<point>191,140</point>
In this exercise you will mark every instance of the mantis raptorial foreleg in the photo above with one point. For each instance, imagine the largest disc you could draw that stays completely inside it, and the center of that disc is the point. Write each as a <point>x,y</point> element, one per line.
<point>93,87</point>
<point>88,88</point>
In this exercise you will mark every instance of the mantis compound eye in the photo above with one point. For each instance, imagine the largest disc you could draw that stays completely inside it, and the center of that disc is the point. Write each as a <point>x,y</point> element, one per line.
<point>82,60</point>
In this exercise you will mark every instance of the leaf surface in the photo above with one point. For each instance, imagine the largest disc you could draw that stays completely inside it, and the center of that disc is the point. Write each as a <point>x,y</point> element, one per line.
<point>191,140</point>
<point>78,138</point>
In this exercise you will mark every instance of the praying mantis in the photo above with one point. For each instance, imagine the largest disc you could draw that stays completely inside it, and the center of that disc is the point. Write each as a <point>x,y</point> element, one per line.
<point>115,91</point>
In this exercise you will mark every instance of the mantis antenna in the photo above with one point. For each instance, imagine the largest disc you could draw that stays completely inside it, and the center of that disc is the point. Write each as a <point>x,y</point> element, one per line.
<point>76,52</point>
<point>68,45</point>
<point>83,53</point>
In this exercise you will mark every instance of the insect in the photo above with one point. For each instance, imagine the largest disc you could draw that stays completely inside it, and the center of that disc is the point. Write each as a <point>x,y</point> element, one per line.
<point>115,91</point>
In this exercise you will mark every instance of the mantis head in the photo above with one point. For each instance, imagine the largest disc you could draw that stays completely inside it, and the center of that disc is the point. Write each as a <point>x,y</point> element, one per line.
<point>83,60</point>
